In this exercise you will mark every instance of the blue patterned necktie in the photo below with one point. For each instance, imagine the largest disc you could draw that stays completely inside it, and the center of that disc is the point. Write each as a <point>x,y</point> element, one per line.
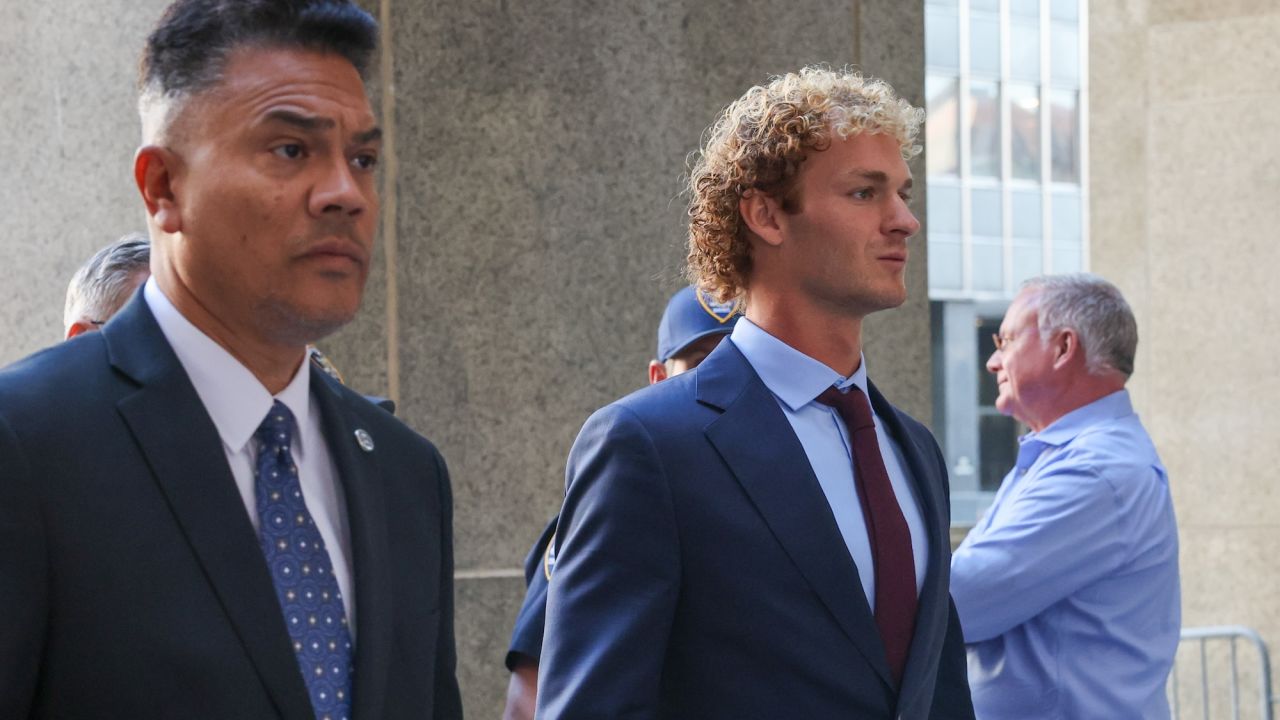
<point>301,571</point>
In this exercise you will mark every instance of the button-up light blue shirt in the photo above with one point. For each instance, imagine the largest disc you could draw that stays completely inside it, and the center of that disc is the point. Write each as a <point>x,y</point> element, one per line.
<point>795,379</point>
<point>1068,588</point>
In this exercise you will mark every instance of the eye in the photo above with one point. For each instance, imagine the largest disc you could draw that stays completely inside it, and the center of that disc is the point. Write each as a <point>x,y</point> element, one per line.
<point>863,193</point>
<point>365,161</point>
<point>906,197</point>
<point>289,151</point>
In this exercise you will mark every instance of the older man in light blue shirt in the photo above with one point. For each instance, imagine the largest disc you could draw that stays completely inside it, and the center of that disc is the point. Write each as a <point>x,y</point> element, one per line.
<point>1068,588</point>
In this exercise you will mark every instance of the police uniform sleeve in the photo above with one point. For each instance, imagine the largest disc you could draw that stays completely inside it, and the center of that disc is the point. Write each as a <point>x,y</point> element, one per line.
<point>526,638</point>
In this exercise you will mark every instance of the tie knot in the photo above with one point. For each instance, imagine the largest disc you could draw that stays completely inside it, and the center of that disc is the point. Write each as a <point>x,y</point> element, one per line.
<point>276,429</point>
<point>852,407</point>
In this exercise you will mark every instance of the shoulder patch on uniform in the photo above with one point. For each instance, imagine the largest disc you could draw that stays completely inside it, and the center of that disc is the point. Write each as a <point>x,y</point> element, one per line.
<point>549,557</point>
<point>325,364</point>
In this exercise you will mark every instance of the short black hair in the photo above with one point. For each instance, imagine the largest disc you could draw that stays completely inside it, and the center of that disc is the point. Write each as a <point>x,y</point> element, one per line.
<point>187,51</point>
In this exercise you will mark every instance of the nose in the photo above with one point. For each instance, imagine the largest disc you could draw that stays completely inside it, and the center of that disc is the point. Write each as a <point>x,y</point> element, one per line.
<point>338,192</point>
<point>994,362</point>
<point>900,219</point>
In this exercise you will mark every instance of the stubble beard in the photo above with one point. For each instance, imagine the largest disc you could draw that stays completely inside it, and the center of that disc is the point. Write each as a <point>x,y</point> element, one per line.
<point>289,325</point>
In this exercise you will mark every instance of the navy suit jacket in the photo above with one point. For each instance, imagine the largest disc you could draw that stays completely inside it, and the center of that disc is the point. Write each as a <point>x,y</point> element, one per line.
<point>700,572</point>
<point>132,584</point>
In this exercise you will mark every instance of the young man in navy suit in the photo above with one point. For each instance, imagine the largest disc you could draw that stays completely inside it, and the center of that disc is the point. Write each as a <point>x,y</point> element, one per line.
<point>766,536</point>
<point>193,522</point>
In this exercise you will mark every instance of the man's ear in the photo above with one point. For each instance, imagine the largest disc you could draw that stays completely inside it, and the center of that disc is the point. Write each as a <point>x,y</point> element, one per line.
<point>78,327</point>
<point>1066,348</point>
<point>762,215</point>
<point>154,169</point>
<point>657,372</point>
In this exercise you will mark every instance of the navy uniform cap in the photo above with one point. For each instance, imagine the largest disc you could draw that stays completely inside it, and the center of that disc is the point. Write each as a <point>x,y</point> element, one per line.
<point>690,315</point>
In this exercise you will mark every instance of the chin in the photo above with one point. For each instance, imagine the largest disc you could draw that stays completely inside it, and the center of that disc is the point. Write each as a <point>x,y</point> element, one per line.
<point>301,325</point>
<point>888,300</point>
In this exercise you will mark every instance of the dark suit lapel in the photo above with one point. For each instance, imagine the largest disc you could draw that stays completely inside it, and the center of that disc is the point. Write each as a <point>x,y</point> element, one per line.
<point>185,454</point>
<point>366,516</point>
<point>755,439</point>
<point>931,621</point>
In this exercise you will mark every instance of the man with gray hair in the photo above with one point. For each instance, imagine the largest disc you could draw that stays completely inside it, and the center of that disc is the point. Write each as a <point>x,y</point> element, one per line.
<point>1068,589</point>
<point>105,283</point>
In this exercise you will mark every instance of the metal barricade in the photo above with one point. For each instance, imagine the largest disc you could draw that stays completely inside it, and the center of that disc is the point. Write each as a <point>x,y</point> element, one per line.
<point>1201,637</point>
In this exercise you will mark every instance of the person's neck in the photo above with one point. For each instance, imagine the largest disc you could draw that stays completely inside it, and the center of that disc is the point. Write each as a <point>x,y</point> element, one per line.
<point>1083,390</point>
<point>830,337</point>
<point>274,365</point>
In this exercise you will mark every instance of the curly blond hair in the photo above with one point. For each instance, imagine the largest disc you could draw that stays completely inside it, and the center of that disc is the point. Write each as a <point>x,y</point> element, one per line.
<point>759,142</point>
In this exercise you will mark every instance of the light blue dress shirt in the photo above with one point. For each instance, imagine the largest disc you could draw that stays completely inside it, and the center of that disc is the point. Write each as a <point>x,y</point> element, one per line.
<point>795,379</point>
<point>1068,588</point>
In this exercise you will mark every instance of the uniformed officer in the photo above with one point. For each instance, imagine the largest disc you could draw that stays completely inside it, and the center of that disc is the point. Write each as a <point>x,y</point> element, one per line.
<point>691,327</point>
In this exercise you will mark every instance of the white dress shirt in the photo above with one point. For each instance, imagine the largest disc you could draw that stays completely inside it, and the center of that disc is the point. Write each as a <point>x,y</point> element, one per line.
<point>796,380</point>
<point>237,403</point>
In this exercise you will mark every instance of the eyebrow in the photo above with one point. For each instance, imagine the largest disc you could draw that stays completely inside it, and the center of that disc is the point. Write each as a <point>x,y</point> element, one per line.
<point>302,122</point>
<point>876,176</point>
<point>312,124</point>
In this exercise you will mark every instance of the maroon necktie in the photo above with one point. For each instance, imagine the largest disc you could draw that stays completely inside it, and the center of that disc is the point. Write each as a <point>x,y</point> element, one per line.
<point>895,566</point>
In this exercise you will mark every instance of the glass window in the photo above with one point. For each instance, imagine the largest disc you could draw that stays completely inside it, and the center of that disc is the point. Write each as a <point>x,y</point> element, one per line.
<point>1064,10</point>
<point>1066,259</point>
<point>1005,201</point>
<point>999,448</point>
<point>984,44</point>
<point>942,128</point>
<point>942,39</point>
<point>1066,219</point>
<point>1026,214</point>
<point>1025,8</point>
<point>1024,131</point>
<point>1024,50</point>
<point>1064,54</point>
<point>988,264</point>
<point>987,388</point>
<point>1028,261</point>
<point>946,262</point>
<point>984,121</point>
<point>1064,135</point>
<point>944,210</point>
<point>986,218</point>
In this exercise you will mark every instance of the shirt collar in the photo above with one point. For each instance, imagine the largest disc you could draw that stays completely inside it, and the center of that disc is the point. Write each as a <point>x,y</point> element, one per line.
<point>795,378</point>
<point>234,398</point>
<point>1069,426</point>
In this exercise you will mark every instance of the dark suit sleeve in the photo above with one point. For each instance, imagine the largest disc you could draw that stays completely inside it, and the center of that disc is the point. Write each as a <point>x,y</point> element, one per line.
<point>614,589</point>
<point>951,697</point>
<point>448,699</point>
<point>526,638</point>
<point>23,580</point>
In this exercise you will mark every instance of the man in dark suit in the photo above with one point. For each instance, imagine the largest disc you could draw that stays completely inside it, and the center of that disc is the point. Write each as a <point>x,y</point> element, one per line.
<point>194,522</point>
<point>766,536</point>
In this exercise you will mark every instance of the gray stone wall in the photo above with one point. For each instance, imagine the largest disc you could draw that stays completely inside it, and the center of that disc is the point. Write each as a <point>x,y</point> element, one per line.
<point>532,224</point>
<point>67,73</point>
<point>1185,136</point>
